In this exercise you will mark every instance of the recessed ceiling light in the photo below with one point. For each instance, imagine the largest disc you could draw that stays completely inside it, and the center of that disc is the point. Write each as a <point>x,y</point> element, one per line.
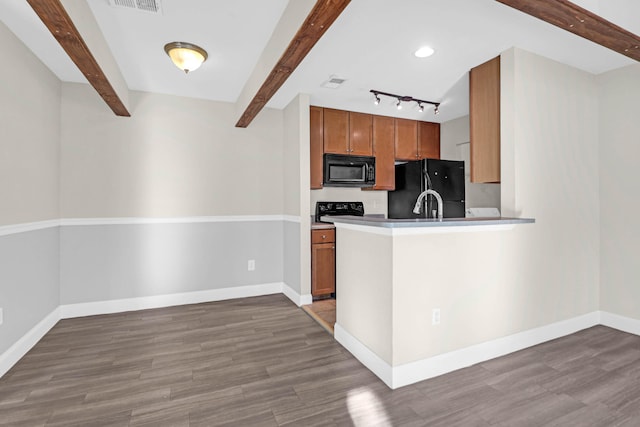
<point>424,52</point>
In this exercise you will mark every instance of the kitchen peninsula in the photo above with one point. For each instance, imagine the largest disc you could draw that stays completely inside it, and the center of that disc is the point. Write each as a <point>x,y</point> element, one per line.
<point>409,290</point>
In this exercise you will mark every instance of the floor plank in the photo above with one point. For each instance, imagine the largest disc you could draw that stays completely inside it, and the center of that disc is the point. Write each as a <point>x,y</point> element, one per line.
<point>263,362</point>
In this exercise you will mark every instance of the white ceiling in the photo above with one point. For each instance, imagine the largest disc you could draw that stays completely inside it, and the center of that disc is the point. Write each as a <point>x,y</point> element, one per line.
<point>371,45</point>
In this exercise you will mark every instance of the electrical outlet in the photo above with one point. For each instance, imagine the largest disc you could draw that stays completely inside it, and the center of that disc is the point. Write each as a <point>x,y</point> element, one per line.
<point>435,316</point>
<point>251,265</point>
<point>1,317</point>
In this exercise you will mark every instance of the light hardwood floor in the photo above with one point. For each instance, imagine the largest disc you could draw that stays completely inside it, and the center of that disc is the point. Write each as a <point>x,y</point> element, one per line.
<point>263,362</point>
<point>324,312</point>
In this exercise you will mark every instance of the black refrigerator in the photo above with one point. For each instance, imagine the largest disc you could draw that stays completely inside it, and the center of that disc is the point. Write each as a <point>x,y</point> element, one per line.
<point>412,178</point>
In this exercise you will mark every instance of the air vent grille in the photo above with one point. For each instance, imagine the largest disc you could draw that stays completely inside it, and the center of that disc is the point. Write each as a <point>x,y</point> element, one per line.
<point>152,6</point>
<point>334,82</point>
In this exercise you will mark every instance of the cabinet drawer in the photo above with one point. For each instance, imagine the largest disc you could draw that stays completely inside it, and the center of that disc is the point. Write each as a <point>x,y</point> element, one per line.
<point>323,236</point>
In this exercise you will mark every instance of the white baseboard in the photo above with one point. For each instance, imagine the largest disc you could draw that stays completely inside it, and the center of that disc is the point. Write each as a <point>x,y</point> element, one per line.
<point>11,356</point>
<point>372,361</point>
<point>398,376</point>
<point>295,296</point>
<point>158,301</point>
<point>621,323</point>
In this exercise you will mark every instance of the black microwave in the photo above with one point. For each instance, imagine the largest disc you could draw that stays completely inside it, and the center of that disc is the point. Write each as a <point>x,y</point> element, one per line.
<point>349,171</point>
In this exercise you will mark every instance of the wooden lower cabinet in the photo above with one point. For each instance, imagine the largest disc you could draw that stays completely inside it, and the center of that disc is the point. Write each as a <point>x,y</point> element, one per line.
<point>323,262</point>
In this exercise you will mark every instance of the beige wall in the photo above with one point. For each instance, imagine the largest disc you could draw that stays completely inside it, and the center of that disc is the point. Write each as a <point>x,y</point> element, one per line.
<point>174,157</point>
<point>550,162</point>
<point>297,239</point>
<point>619,183</point>
<point>492,284</point>
<point>29,135</point>
<point>364,289</point>
<point>454,145</point>
<point>296,136</point>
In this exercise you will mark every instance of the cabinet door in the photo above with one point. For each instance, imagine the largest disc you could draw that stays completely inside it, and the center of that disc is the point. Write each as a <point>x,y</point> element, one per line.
<point>323,269</point>
<point>360,128</point>
<point>383,150</point>
<point>428,140</point>
<point>317,147</point>
<point>406,139</point>
<point>336,131</point>
<point>484,121</point>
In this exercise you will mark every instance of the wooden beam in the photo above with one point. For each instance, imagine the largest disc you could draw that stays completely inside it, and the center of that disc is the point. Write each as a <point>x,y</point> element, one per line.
<point>579,21</point>
<point>57,20</point>
<point>323,14</point>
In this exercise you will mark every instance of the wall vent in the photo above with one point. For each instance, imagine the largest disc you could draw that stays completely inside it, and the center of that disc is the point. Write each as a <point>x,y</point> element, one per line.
<point>152,6</point>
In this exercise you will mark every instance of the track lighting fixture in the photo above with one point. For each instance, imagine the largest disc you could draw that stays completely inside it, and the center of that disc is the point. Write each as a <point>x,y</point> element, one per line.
<point>401,99</point>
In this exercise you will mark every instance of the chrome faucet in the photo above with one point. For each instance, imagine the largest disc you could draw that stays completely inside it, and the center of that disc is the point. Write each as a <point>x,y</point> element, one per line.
<point>418,206</point>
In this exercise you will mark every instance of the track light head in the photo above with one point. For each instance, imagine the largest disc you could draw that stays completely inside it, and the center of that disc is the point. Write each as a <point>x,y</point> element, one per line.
<point>399,104</point>
<point>420,107</point>
<point>375,93</point>
<point>435,109</point>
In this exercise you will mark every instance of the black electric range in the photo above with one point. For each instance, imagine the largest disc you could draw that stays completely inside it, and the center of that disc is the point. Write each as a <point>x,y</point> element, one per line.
<point>338,208</point>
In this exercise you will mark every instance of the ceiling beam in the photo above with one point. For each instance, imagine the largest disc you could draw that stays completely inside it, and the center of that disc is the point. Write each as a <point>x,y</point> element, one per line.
<point>57,20</point>
<point>320,18</point>
<point>579,21</point>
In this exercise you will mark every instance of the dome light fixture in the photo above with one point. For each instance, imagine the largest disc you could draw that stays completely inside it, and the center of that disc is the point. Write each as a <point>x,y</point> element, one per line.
<point>424,52</point>
<point>186,56</point>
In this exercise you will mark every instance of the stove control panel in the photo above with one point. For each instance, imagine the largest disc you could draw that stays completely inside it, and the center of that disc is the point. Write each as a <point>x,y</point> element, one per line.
<point>339,208</point>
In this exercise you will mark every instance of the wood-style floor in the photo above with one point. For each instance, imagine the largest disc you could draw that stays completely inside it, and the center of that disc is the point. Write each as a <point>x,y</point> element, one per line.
<point>263,362</point>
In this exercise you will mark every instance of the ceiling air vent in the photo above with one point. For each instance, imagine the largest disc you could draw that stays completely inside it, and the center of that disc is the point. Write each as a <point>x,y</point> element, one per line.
<point>152,6</point>
<point>334,82</point>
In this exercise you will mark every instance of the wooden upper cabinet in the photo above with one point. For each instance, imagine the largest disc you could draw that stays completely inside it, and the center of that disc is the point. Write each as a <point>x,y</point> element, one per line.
<point>317,146</point>
<point>406,139</point>
<point>428,140</point>
<point>360,130</point>
<point>347,132</point>
<point>484,121</point>
<point>336,131</point>
<point>383,150</point>
<point>416,140</point>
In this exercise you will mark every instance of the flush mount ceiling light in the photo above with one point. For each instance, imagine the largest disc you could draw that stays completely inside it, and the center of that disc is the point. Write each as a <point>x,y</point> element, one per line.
<point>401,99</point>
<point>186,56</point>
<point>424,52</point>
